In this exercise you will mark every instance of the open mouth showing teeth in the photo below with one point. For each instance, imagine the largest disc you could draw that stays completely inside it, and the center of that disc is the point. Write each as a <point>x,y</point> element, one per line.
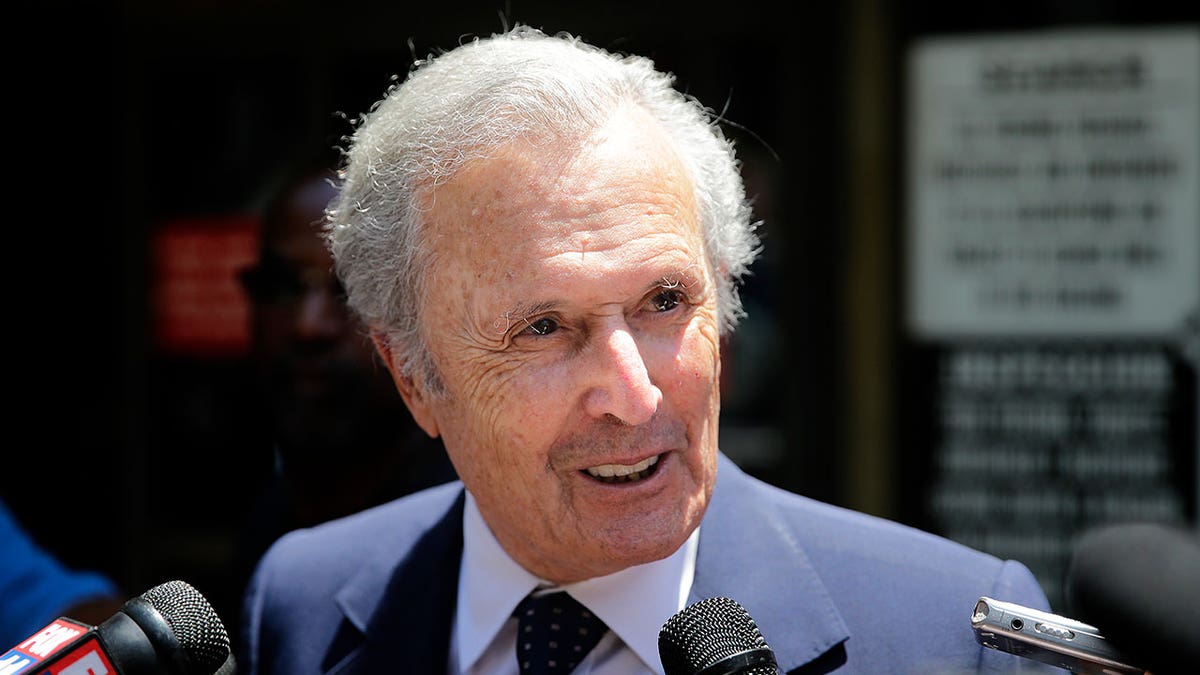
<point>621,473</point>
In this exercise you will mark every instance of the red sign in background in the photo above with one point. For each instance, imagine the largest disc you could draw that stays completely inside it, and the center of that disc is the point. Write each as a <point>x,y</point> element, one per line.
<point>199,307</point>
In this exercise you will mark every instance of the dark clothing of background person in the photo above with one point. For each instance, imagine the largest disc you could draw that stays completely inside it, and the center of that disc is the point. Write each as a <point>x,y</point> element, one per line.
<point>340,436</point>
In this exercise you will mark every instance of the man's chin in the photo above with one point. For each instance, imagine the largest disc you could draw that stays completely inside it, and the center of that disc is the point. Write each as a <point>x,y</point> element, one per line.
<point>613,551</point>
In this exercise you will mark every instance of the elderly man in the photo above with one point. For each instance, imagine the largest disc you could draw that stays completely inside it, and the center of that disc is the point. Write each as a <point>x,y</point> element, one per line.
<point>545,240</point>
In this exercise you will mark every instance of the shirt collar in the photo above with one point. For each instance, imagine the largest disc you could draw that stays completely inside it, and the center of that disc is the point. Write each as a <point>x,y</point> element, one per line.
<point>634,602</point>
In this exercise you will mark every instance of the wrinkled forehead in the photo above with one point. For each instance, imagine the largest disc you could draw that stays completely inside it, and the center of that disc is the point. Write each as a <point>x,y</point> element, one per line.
<point>535,187</point>
<point>585,220</point>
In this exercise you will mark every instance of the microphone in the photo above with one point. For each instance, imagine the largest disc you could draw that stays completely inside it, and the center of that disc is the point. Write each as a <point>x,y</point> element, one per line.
<point>168,630</point>
<point>715,636</point>
<point>1139,584</point>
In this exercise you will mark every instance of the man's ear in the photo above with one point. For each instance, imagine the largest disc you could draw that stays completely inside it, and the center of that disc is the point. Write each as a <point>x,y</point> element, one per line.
<point>413,392</point>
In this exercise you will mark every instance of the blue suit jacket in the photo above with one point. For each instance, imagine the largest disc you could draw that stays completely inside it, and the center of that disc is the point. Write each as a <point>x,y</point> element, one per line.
<point>832,590</point>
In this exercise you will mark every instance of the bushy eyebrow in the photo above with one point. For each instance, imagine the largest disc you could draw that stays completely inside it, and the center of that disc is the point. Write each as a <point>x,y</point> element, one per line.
<point>521,313</point>
<point>686,277</point>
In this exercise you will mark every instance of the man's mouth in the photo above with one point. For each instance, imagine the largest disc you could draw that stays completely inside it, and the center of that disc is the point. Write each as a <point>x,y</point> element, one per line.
<point>622,473</point>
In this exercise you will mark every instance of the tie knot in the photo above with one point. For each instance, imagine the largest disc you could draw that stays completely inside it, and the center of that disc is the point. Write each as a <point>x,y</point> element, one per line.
<point>554,633</point>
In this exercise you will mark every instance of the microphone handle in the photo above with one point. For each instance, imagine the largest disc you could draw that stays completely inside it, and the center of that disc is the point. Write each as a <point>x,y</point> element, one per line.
<point>751,662</point>
<point>127,646</point>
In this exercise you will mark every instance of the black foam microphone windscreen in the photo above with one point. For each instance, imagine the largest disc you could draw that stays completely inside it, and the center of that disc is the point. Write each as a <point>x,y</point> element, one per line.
<point>170,629</point>
<point>191,623</point>
<point>1139,584</point>
<point>715,636</point>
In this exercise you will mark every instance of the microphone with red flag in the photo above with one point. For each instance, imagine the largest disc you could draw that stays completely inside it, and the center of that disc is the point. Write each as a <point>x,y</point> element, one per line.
<point>168,630</point>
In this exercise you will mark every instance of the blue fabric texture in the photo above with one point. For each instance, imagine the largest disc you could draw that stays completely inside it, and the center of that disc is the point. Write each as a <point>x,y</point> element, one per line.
<point>35,587</point>
<point>832,590</point>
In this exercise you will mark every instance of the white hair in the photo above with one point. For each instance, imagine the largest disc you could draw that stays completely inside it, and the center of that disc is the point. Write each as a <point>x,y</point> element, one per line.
<point>461,105</point>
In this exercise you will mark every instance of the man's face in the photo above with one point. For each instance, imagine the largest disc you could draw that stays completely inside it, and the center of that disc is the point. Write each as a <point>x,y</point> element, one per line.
<point>573,318</point>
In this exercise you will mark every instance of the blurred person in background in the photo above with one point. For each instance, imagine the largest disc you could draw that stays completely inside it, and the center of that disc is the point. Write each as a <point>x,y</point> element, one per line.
<point>342,438</point>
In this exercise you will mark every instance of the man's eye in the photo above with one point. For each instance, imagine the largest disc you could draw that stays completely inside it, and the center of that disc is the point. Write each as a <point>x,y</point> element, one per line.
<point>665,300</point>
<point>542,326</point>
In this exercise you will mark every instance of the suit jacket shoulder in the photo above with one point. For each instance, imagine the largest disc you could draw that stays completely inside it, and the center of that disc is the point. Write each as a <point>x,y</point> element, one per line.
<point>320,597</point>
<point>837,590</point>
<point>832,590</point>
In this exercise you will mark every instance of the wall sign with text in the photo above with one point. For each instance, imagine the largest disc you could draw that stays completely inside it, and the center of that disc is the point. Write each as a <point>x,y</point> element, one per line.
<point>1053,281</point>
<point>1053,183</point>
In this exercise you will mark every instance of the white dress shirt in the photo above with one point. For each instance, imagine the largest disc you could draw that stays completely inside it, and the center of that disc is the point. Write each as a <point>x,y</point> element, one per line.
<point>634,603</point>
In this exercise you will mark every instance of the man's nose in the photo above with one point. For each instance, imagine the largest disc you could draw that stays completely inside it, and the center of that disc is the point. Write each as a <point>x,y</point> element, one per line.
<point>621,385</point>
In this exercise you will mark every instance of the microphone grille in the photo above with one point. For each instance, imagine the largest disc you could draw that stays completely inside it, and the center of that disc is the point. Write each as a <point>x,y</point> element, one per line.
<point>707,632</point>
<point>193,622</point>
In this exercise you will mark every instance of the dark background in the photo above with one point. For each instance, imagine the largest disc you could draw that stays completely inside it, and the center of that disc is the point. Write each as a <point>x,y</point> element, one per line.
<point>122,118</point>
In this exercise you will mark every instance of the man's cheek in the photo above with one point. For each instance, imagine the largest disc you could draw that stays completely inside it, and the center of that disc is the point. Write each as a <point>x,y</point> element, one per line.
<point>698,362</point>
<point>490,389</point>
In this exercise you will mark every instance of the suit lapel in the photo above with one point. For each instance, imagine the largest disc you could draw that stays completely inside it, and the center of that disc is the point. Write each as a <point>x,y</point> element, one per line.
<point>402,612</point>
<point>399,614</point>
<point>748,554</point>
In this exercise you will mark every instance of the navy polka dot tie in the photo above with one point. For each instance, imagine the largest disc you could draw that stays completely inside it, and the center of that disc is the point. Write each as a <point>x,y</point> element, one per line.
<point>554,633</point>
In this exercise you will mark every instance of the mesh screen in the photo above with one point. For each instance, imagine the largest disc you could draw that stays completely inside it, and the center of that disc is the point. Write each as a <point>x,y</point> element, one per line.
<point>194,622</point>
<point>706,632</point>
